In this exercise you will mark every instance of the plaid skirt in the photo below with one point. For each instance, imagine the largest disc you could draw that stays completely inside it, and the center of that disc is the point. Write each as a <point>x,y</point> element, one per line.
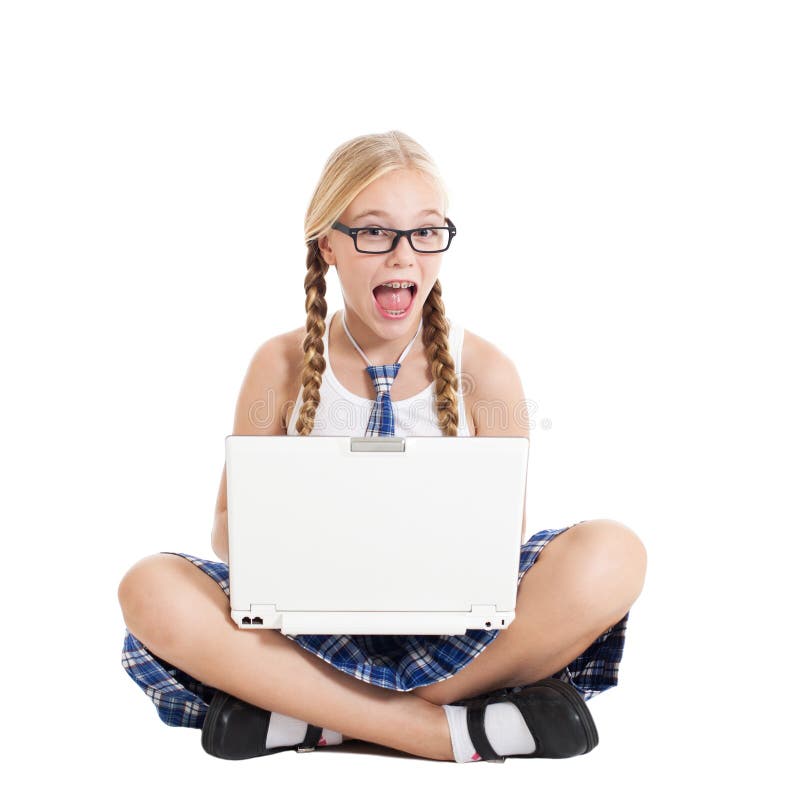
<point>399,662</point>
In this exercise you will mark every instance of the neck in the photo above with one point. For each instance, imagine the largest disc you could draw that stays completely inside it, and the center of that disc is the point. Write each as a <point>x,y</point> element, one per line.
<point>378,349</point>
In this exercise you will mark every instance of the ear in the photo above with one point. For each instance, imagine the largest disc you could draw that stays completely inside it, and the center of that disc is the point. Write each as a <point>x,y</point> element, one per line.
<point>325,248</point>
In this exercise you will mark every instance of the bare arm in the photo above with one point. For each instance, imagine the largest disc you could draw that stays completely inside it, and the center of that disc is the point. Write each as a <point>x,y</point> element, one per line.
<point>258,413</point>
<point>219,532</point>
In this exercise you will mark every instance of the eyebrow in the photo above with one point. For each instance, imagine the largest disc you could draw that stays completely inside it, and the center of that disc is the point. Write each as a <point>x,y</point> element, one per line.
<point>378,213</point>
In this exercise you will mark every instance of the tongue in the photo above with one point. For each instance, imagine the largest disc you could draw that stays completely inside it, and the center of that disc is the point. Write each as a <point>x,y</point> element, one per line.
<point>393,299</point>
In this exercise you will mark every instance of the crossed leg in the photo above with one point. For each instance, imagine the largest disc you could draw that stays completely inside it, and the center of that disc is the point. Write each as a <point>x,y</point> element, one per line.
<point>582,582</point>
<point>180,614</point>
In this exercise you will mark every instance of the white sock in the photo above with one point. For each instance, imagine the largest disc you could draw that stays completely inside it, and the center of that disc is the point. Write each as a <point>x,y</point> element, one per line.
<point>284,731</point>
<point>505,728</point>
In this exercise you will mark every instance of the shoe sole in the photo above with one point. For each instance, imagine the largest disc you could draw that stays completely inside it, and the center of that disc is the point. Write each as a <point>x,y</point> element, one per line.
<point>209,723</point>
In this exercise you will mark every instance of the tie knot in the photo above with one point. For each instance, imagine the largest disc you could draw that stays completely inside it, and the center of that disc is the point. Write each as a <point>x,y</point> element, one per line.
<point>383,376</point>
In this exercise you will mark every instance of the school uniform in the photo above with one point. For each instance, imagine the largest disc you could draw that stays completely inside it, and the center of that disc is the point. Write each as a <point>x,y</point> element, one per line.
<point>398,662</point>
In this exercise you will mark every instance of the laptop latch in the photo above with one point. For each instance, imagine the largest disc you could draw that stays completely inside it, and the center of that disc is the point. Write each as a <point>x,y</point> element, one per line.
<point>381,444</point>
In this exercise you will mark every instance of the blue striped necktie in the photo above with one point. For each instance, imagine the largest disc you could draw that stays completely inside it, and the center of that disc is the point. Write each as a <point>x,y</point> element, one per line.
<point>381,418</point>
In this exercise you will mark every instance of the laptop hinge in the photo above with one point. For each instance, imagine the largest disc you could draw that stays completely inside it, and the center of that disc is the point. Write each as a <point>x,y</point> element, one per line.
<point>382,444</point>
<point>479,610</point>
<point>484,617</point>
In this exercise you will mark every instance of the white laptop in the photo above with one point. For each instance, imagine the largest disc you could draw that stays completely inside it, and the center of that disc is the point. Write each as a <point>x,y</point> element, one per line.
<point>374,535</point>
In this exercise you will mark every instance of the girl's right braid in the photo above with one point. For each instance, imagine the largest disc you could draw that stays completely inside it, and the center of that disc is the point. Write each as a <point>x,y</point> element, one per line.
<point>313,360</point>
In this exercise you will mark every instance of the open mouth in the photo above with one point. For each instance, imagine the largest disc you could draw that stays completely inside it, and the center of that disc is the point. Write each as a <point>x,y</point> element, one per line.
<point>394,298</point>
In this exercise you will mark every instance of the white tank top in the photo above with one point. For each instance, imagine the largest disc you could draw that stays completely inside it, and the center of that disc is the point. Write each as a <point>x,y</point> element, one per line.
<point>342,413</point>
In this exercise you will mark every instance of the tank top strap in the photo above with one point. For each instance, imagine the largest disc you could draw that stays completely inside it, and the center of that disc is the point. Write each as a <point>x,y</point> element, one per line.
<point>456,350</point>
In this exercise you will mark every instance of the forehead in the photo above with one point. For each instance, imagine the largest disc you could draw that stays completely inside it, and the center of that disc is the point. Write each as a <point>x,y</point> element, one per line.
<point>400,194</point>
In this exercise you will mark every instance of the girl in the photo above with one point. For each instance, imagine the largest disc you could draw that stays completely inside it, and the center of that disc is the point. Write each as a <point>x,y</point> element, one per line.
<point>379,217</point>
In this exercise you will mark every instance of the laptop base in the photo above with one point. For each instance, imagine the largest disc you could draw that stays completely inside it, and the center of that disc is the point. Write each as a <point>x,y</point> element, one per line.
<point>452,623</point>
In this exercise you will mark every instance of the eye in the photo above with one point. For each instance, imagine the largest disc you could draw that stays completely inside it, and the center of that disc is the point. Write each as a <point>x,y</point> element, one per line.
<point>423,233</point>
<point>375,232</point>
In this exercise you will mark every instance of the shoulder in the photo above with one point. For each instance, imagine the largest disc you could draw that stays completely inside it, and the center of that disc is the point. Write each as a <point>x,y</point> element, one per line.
<point>268,383</point>
<point>485,361</point>
<point>279,355</point>
<point>290,345</point>
<point>493,388</point>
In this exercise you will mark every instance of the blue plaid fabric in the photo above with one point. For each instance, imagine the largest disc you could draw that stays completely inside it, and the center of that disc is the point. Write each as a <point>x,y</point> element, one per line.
<point>401,663</point>
<point>381,418</point>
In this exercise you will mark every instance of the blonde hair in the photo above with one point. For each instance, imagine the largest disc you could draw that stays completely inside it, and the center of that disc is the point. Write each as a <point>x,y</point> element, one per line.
<point>350,168</point>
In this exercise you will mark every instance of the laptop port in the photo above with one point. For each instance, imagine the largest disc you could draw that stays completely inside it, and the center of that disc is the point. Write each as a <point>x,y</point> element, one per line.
<point>246,621</point>
<point>258,621</point>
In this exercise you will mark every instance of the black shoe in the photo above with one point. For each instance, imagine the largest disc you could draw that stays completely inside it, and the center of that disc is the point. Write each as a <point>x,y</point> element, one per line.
<point>556,715</point>
<point>234,729</point>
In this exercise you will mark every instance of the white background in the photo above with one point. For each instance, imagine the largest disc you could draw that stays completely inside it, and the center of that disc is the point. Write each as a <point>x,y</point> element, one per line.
<point>624,177</point>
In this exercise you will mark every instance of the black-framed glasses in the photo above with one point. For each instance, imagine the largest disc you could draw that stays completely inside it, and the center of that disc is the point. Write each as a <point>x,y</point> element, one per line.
<point>377,239</point>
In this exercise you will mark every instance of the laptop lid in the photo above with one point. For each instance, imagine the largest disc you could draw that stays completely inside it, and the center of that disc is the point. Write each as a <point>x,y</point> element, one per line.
<point>380,535</point>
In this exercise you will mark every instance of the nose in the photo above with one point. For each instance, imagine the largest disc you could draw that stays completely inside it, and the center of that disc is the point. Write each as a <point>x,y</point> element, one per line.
<point>403,251</point>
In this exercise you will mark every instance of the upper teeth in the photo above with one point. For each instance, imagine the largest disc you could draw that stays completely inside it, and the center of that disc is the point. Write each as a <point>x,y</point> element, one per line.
<point>398,285</point>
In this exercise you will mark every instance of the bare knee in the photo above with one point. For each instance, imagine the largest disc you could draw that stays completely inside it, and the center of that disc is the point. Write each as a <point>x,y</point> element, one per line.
<point>610,560</point>
<point>158,595</point>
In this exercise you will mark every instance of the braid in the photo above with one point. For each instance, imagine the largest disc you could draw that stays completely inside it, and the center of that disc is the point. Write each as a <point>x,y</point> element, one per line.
<point>435,331</point>
<point>313,360</point>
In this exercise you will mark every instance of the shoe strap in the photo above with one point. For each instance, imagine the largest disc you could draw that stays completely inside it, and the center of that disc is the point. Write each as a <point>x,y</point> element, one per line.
<point>475,718</point>
<point>311,740</point>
